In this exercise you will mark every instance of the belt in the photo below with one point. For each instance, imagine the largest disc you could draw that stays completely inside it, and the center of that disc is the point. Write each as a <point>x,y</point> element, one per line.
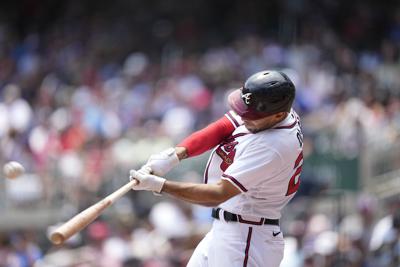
<point>231,217</point>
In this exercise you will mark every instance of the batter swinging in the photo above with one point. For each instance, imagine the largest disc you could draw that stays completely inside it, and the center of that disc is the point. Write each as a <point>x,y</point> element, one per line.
<point>252,173</point>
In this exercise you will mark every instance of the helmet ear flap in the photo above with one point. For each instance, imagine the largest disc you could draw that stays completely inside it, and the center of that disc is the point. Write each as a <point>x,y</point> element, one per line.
<point>261,107</point>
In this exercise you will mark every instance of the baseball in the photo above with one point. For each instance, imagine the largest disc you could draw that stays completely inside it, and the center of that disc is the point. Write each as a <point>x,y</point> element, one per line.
<point>13,169</point>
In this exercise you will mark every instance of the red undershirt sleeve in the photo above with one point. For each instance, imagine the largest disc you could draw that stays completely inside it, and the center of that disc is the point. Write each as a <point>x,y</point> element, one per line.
<point>208,137</point>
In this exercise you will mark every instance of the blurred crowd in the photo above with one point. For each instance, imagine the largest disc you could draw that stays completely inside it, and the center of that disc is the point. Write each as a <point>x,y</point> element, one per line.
<point>86,99</point>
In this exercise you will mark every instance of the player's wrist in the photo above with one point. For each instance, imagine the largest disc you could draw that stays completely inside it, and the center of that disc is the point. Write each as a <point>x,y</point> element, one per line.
<point>158,184</point>
<point>181,152</point>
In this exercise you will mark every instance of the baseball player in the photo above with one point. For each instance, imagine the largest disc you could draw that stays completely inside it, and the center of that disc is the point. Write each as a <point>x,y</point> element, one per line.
<point>252,173</point>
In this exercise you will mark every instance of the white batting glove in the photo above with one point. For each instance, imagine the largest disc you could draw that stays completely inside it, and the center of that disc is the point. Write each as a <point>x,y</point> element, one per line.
<point>161,163</point>
<point>146,169</point>
<point>146,181</point>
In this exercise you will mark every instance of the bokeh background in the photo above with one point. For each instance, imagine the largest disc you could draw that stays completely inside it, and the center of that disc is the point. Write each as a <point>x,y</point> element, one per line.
<point>89,89</point>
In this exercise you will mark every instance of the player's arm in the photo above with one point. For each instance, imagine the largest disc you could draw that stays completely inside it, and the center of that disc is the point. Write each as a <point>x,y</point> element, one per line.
<point>203,194</point>
<point>210,195</point>
<point>208,137</point>
<point>195,144</point>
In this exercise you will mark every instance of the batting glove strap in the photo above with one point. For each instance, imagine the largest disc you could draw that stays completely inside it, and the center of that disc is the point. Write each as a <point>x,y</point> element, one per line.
<point>163,162</point>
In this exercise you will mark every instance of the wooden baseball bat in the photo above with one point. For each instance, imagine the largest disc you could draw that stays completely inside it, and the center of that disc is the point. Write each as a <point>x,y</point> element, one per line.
<point>82,219</point>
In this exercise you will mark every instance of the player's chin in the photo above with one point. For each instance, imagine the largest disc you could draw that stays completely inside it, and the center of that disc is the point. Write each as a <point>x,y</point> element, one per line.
<point>256,129</point>
<point>251,129</point>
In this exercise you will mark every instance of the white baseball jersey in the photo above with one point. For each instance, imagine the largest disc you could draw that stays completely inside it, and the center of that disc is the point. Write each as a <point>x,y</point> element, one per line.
<point>264,166</point>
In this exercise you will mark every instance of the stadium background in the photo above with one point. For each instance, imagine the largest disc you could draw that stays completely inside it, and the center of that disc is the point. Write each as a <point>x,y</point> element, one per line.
<point>89,89</point>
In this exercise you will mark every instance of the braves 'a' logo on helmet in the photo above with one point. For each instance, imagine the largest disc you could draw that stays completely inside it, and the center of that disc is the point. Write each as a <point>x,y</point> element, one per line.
<point>246,98</point>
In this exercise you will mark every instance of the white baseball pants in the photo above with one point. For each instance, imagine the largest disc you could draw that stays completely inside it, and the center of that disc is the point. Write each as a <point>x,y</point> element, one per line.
<point>234,244</point>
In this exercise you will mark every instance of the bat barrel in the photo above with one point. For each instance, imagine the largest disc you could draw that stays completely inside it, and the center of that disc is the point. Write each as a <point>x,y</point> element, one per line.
<point>57,238</point>
<point>82,219</point>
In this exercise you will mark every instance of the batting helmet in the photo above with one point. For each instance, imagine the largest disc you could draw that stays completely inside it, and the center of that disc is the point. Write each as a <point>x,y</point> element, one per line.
<point>263,94</point>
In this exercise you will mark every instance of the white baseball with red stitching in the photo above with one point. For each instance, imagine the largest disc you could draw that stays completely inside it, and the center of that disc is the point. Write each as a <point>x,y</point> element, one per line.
<point>13,169</point>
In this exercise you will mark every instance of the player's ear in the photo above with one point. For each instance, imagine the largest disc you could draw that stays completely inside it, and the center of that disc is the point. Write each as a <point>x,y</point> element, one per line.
<point>280,115</point>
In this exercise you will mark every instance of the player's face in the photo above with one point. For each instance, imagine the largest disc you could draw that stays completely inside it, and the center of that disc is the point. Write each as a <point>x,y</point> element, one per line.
<point>265,123</point>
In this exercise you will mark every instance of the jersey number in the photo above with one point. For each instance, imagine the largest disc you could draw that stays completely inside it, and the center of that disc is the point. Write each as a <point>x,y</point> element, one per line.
<point>294,182</point>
